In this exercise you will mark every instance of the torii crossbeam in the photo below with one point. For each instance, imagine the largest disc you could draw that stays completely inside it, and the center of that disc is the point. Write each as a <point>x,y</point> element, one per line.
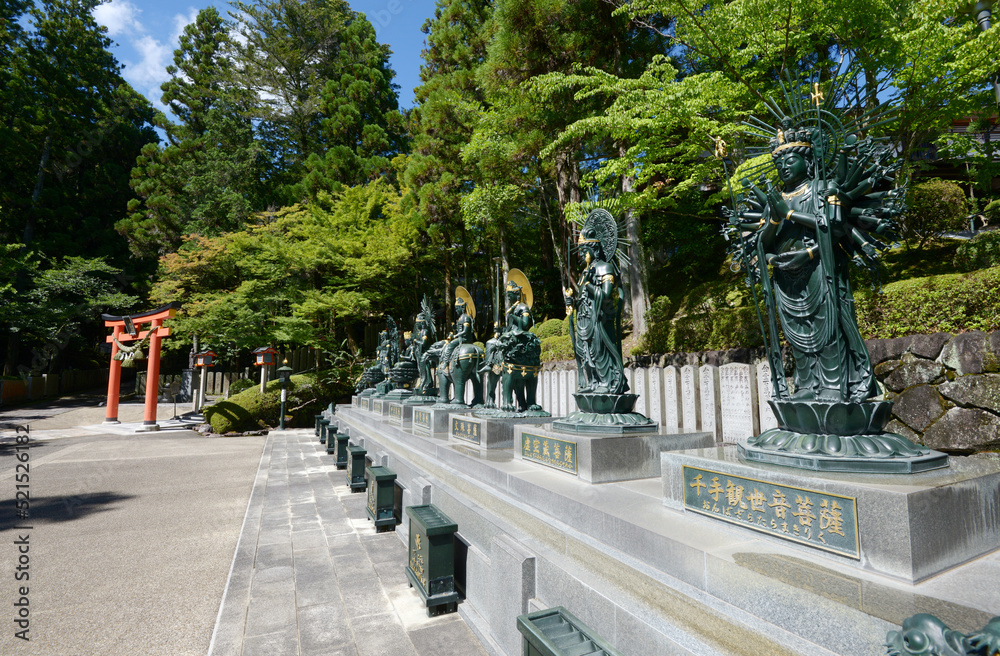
<point>155,332</point>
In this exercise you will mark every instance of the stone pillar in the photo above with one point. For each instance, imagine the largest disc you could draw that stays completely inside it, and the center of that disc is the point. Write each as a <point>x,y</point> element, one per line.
<point>711,412</point>
<point>764,394</point>
<point>672,412</point>
<point>655,405</point>
<point>640,386</point>
<point>738,396</point>
<point>690,399</point>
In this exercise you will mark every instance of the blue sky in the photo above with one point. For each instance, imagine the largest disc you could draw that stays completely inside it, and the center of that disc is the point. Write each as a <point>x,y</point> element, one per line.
<point>145,34</point>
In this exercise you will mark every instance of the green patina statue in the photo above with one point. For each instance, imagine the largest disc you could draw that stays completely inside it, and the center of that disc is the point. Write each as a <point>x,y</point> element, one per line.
<point>386,356</point>
<point>926,635</point>
<point>594,305</point>
<point>834,199</point>
<point>422,339</point>
<point>513,356</point>
<point>460,357</point>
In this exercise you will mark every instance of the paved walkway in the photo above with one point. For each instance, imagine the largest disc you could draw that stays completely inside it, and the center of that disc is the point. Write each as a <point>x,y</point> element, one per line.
<point>131,550</point>
<point>131,540</point>
<point>311,576</point>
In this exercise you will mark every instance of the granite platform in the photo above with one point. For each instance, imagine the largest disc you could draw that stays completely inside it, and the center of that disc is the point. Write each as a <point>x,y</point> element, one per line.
<point>599,458</point>
<point>649,577</point>
<point>489,432</point>
<point>429,420</point>
<point>911,526</point>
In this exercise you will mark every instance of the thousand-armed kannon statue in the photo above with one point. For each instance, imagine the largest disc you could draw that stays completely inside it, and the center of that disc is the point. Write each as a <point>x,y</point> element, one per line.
<point>834,199</point>
<point>513,356</point>
<point>594,305</point>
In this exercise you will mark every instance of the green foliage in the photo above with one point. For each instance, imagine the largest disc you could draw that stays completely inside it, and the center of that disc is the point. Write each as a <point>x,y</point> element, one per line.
<point>240,385</point>
<point>933,207</point>
<point>298,276</point>
<point>550,328</point>
<point>992,212</point>
<point>712,316</point>
<point>945,303</point>
<point>250,410</point>
<point>980,252</point>
<point>558,347</point>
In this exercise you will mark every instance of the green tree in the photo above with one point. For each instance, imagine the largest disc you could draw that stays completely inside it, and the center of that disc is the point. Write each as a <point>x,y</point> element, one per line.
<point>71,131</point>
<point>303,274</point>
<point>533,39</point>
<point>324,104</point>
<point>207,178</point>
<point>449,102</point>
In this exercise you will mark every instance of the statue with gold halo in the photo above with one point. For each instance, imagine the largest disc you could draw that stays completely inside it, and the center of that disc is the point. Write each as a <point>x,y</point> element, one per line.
<point>520,350</point>
<point>460,357</point>
<point>595,307</point>
<point>834,200</point>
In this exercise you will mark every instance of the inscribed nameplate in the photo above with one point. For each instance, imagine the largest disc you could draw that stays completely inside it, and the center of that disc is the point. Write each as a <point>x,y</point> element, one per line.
<point>464,429</point>
<point>422,418</point>
<point>560,454</point>
<point>818,519</point>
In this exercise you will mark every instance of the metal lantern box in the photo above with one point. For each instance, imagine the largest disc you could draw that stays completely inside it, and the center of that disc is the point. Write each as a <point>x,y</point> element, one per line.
<point>431,565</point>
<point>205,359</point>
<point>324,426</point>
<point>341,439</point>
<point>331,438</point>
<point>557,632</point>
<point>265,355</point>
<point>381,497</point>
<point>356,467</point>
<point>317,418</point>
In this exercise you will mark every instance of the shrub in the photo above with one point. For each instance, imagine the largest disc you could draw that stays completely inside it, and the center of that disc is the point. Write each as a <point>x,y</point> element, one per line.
<point>550,328</point>
<point>251,410</point>
<point>712,316</point>
<point>240,385</point>
<point>953,302</point>
<point>933,207</point>
<point>992,212</point>
<point>980,252</point>
<point>558,347</point>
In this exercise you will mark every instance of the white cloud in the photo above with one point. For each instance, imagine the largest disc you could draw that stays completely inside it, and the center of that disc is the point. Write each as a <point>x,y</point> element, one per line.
<point>181,21</point>
<point>121,17</point>
<point>154,57</point>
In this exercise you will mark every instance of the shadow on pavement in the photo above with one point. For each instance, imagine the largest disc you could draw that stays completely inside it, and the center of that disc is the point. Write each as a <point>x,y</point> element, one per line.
<point>59,509</point>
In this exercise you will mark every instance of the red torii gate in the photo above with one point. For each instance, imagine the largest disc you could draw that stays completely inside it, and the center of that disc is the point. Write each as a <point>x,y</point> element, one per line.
<point>126,329</point>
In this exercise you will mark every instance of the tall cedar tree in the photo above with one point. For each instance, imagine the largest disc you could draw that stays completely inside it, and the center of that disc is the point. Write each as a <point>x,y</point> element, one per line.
<point>537,37</point>
<point>325,107</point>
<point>207,178</point>
<point>442,124</point>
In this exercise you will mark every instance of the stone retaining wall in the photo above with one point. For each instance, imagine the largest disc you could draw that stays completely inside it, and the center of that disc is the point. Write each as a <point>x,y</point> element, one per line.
<point>946,388</point>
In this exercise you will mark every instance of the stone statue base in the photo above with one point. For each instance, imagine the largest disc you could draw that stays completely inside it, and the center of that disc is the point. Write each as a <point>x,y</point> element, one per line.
<point>839,437</point>
<point>398,394</point>
<point>497,413</point>
<point>423,399</point>
<point>609,414</point>
<point>367,392</point>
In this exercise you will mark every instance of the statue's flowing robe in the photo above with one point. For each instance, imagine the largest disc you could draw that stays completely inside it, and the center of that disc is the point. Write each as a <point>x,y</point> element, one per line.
<point>596,341</point>
<point>815,306</point>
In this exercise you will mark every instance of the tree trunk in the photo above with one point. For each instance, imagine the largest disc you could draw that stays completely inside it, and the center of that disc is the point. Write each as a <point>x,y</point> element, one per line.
<point>29,224</point>
<point>638,273</point>
<point>567,192</point>
<point>448,318</point>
